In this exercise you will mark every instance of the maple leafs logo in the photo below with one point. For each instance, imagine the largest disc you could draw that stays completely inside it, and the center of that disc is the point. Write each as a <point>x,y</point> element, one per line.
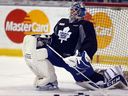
<point>64,34</point>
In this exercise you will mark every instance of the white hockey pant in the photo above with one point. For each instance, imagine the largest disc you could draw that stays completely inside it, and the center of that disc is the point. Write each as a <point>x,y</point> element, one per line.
<point>36,59</point>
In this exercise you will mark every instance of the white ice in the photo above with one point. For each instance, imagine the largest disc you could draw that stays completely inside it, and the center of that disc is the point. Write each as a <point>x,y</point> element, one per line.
<point>16,79</point>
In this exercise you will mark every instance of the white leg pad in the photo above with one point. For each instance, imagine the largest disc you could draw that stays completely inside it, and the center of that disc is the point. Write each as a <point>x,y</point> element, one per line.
<point>39,54</point>
<point>36,60</point>
<point>111,73</point>
<point>46,71</point>
<point>29,44</point>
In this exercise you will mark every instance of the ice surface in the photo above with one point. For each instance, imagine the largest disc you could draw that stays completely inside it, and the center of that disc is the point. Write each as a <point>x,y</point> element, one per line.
<point>16,79</point>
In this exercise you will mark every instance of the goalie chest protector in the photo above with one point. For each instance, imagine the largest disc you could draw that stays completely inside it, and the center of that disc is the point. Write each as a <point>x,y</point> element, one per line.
<point>68,37</point>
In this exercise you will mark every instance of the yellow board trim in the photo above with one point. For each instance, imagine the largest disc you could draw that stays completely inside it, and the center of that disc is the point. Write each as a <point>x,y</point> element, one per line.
<point>11,52</point>
<point>98,59</point>
<point>113,60</point>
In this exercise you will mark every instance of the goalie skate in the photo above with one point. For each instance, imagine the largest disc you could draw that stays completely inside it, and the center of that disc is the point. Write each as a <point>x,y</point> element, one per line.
<point>49,86</point>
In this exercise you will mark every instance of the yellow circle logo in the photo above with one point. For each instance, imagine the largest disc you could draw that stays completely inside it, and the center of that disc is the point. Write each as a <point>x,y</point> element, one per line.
<point>39,21</point>
<point>103,26</point>
<point>104,29</point>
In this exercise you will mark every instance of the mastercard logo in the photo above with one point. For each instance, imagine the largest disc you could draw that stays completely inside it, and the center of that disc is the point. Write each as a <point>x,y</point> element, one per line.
<point>19,23</point>
<point>103,26</point>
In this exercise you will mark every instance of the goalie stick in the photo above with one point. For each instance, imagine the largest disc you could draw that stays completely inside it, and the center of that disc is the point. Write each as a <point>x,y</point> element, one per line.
<point>106,85</point>
<point>90,81</point>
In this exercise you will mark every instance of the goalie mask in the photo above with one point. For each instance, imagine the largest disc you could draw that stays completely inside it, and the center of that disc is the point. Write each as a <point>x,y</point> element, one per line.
<point>77,12</point>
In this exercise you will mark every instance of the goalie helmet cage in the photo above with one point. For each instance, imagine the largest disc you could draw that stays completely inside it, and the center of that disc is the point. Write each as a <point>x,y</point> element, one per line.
<point>111,24</point>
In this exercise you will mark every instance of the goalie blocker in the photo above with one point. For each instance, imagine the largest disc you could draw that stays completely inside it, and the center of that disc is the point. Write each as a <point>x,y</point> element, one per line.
<point>78,66</point>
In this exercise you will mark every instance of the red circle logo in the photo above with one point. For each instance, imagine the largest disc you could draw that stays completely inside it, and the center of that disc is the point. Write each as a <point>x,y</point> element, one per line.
<point>14,18</point>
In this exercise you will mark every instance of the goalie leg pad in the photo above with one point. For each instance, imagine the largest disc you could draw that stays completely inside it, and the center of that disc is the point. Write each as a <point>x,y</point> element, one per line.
<point>36,60</point>
<point>29,44</point>
<point>44,69</point>
<point>114,77</point>
<point>47,81</point>
<point>40,54</point>
<point>116,82</point>
<point>46,76</point>
<point>112,72</point>
<point>29,48</point>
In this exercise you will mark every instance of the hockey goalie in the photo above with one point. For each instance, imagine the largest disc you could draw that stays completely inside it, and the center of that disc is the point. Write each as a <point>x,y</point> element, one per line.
<point>40,57</point>
<point>72,47</point>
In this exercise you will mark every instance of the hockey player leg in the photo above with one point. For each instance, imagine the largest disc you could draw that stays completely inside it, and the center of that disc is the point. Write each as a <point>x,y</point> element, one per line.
<point>46,78</point>
<point>114,78</point>
<point>82,66</point>
<point>36,60</point>
<point>81,63</point>
<point>88,85</point>
<point>87,82</point>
